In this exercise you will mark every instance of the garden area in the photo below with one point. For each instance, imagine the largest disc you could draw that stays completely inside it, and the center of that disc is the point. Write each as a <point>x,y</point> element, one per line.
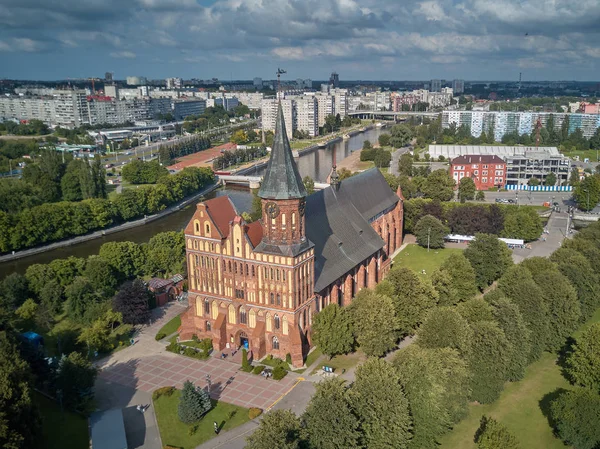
<point>169,328</point>
<point>198,426</point>
<point>418,258</point>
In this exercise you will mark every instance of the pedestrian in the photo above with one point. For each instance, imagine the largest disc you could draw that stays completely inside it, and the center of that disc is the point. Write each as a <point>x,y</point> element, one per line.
<point>216,427</point>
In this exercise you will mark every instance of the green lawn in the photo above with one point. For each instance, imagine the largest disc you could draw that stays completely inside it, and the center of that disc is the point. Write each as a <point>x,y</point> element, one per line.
<point>340,363</point>
<point>61,430</point>
<point>519,406</point>
<point>171,327</point>
<point>310,359</point>
<point>591,154</point>
<point>417,258</point>
<point>175,433</point>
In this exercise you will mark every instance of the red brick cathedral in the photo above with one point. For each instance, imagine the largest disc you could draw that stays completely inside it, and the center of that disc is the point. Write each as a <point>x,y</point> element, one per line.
<point>257,285</point>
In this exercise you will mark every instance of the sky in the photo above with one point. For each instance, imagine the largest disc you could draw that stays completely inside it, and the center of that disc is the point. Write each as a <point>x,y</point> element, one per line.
<point>360,39</point>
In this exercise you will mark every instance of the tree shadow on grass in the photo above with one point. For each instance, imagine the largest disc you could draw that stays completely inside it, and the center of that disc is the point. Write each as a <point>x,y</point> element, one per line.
<point>563,355</point>
<point>545,405</point>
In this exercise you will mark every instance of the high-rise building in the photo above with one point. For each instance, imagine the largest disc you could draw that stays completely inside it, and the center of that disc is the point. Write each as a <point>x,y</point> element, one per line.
<point>108,77</point>
<point>436,85</point>
<point>341,101</point>
<point>307,115</point>
<point>185,108</point>
<point>174,83</point>
<point>269,114</point>
<point>325,107</point>
<point>110,90</point>
<point>458,86</point>
<point>136,80</point>
<point>334,79</point>
<point>258,83</point>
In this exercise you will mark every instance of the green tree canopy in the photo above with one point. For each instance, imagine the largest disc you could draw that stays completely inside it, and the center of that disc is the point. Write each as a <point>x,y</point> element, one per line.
<point>454,280</point>
<point>127,258</point>
<point>436,383</point>
<point>384,139</point>
<point>132,302</point>
<point>309,184</point>
<point>15,290</point>
<point>405,165</point>
<point>374,322</point>
<point>444,327</point>
<point>330,420</point>
<point>80,296</point>
<point>474,310</point>
<point>278,429</point>
<point>332,330</point>
<point>165,253</point>
<point>194,403</point>
<point>439,186</point>
<point>381,406</point>
<point>493,435</point>
<point>430,232</point>
<point>75,378</point>
<point>587,193</point>
<point>466,189</point>
<point>489,257</point>
<point>401,136</point>
<point>583,362</point>
<point>412,298</point>
<point>522,223</point>
<point>576,414</point>
<point>101,275</point>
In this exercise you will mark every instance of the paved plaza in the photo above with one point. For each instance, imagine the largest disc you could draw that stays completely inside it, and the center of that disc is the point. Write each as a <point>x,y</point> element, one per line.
<point>227,382</point>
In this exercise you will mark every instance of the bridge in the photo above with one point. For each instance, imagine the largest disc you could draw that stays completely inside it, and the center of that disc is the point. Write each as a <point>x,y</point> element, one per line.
<point>384,114</point>
<point>254,181</point>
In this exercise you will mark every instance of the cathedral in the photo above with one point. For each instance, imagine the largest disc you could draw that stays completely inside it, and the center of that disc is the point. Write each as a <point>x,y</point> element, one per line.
<point>257,285</point>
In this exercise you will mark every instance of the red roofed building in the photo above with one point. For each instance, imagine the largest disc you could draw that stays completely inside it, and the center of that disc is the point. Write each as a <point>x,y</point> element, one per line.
<point>485,170</point>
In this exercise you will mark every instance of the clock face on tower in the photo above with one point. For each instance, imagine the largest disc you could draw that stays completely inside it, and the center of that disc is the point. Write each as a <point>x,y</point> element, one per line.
<point>272,209</point>
<point>302,207</point>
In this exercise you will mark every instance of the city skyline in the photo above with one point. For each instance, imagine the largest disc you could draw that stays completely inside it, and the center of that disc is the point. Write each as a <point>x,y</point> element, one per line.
<point>360,39</point>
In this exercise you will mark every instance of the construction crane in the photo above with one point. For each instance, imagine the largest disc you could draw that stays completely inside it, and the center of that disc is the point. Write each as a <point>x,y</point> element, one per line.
<point>279,73</point>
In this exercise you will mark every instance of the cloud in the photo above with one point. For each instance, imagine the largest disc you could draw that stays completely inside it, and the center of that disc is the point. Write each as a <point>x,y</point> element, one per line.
<point>123,54</point>
<point>21,44</point>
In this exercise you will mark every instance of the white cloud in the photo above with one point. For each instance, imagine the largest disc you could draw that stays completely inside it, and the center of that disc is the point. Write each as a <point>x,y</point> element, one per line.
<point>123,54</point>
<point>431,10</point>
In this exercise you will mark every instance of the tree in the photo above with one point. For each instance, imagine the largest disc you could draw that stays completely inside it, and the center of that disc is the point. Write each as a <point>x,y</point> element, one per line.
<point>412,298</point>
<point>80,295</point>
<point>28,310</point>
<point>475,310</point>
<point>550,179</point>
<point>126,258</point>
<point>582,276</point>
<point>15,290</point>
<point>38,275</point>
<point>374,322</point>
<point>563,306</point>
<point>444,327</point>
<point>489,257</point>
<point>439,186</point>
<point>493,435</point>
<point>520,288</point>
<point>533,182</point>
<point>278,429</point>
<point>239,137</point>
<point>75,378</point>
<point>332,330</point>
<point>489,359</point>
<point>384,139</point>
<point>367,145</point>
<point>510,320</point>
<point>583,362</point>
<point>480,195</point>
<point>405,165</point>
<point>101,275</point>
<point>436,384</point>
<point>95,337</point>
<point>454,280</point>
<point>576,415</point>
<point>587,193</point>
<point>330,420</point>
<point>401,136</point>
<point>381,406</point>
<point>132,302</point>
<point>20,425</point>
<point>430,232</point>
<point>165,253</point>
<point>466,189</point>
<point>309,185</point>
<point>574,177</point>
<point>522,223</point>
<point>194,403</point>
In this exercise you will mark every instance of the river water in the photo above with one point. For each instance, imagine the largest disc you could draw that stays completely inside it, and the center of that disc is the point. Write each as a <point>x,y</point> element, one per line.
<point>316,164</point>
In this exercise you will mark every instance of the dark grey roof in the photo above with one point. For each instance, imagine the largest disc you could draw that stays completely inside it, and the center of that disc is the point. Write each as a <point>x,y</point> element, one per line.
<point>283,250</point>
<point>338,223</point>
<point>282,180</point>
<point>108,430</point>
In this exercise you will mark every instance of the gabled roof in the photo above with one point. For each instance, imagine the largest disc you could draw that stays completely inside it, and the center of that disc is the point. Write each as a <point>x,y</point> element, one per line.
<point>477,159</point>
<point>222,211</point>
<point>254,232</point>
<point>338,223</point>
<point>282,180</point>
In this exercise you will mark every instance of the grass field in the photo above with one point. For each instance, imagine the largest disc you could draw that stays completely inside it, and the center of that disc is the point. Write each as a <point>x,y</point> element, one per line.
<point>171,326</point>
<point>417,258</point>
<point>342,362</point>
<point>519,406</point>
<point>175,433</point>
<point>61,430</point>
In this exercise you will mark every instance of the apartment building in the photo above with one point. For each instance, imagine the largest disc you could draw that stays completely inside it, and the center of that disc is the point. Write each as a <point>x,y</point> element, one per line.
<point>325,107</point>
<point>485,170</point>
<point>174,83</point>
<point>307,115</point>
<point>269,114</point>
<point>458,86</point>
<point>436,85</point>
<point>185,108</point>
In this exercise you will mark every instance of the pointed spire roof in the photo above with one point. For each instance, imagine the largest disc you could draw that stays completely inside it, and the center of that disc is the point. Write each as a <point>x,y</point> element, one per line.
<point>282,180</point>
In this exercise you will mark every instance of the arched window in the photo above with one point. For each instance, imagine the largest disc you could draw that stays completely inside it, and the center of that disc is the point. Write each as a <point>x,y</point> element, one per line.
<point>272,274</point>
<point>275,343</point>
<point>206,307</point>
<point>208,328</point>
<point>269,323</point>
<point>278,299</point>
<point>207,229</point>
<point>277,274</point>
<point>272,298</point>
<point>277,321</point>
<point>197,227</point>
<point>231,313</point>
<point>214,310</point>
<point>243,316</point>
<point>285,325</point>
<point>235,267</point>
<point>252,319</point>
<point>230,266</point>
<point>252,270</point>
<point>283,272</point>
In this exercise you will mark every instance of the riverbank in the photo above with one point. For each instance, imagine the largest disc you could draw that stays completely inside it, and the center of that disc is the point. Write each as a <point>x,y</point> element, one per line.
<point>113,229</point>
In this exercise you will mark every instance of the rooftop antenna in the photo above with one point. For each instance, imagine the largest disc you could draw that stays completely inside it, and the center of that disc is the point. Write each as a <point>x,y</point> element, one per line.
<point>279,73</point>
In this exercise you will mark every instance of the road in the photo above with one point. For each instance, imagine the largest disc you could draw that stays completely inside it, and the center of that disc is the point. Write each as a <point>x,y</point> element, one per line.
<point>531,198</point>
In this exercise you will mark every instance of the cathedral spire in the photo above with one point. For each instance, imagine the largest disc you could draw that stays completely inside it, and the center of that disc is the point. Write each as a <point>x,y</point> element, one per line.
<point>282,181</point>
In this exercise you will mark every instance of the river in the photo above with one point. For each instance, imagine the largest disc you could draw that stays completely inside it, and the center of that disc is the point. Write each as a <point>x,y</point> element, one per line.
<point>316,164</point>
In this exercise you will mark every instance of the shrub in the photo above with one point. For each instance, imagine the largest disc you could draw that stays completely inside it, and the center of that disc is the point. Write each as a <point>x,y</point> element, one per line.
<point>254,412</point>
<point>279,373</point>
<point>246,366</point>
<point>206,346</point>
<point>288,358</point>
<point>160,336</point>
<point>174,347</point>
<point>163,391</point>
<point>195,338</point>
<point>192,430</point>
<point>190,352</point>
<point>258,369</point>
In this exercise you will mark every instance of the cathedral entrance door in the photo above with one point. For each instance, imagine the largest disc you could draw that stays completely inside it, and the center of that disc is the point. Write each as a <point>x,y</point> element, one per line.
<point>244,341</point>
